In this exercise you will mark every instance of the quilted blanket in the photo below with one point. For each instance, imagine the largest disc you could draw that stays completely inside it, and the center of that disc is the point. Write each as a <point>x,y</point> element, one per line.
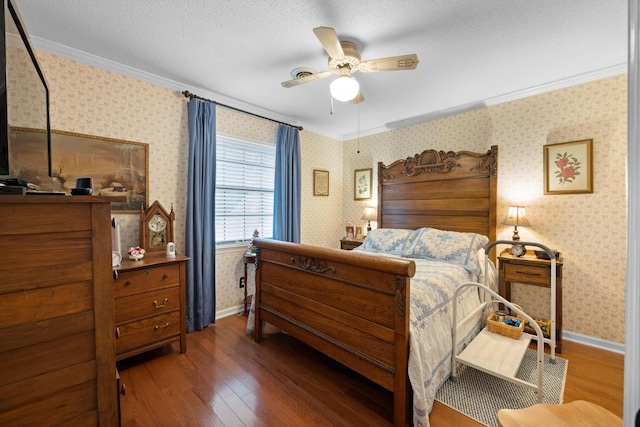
<point>430,347</point>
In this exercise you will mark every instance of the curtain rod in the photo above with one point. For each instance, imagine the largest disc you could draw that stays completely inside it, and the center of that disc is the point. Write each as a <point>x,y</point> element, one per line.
<point>190,95</point>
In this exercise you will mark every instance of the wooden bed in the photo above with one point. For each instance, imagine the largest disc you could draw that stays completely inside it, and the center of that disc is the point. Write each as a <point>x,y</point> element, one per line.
<point>354,307</point>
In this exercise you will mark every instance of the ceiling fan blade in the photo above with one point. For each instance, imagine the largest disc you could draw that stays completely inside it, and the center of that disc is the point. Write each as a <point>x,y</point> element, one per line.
<point>330,42</point>
<point>403,62</point>
<point>306,79</point>
<point>358,99</point>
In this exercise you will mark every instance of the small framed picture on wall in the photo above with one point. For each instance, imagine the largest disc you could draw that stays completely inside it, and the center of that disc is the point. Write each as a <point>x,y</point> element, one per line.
<point>568,167</point>
<point>320,182</point>
<point>362,184</point>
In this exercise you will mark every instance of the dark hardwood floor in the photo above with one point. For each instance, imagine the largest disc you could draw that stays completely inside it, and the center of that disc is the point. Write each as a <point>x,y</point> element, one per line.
<point>226,379</point>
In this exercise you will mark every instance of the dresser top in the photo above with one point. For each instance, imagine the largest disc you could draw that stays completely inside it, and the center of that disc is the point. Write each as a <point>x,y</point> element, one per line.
<point>42,198</point>
<point>151,259</point>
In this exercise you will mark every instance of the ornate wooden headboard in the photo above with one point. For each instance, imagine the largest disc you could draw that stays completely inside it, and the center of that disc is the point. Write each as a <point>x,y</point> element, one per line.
<point>454,191</point>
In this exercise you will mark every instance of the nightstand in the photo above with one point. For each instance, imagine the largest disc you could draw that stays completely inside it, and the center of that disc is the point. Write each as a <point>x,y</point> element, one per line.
<point>348,244</point>
<point>249,258</point>
<point>530,270</point>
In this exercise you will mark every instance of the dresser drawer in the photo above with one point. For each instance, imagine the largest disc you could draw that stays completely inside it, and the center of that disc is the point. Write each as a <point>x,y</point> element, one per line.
<point>147,304</point>
<point>146,331</point>
<point>527,273</point>
<point>146,279</point>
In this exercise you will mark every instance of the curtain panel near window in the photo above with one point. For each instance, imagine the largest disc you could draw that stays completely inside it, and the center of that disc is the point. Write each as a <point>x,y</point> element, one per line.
<point>200,222</point>
<point>287,192</point>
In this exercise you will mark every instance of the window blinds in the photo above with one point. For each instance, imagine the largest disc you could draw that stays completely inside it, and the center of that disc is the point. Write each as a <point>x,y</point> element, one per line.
<point>244,189</point>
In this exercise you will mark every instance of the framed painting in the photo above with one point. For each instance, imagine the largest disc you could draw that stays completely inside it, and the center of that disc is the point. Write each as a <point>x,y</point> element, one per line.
<point>320,182</point>
<point>568,167</point>
<point>362,184</point>
<point>117,167</point>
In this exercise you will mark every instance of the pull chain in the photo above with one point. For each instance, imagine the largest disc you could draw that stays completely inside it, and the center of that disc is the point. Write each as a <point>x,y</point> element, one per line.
<point>358,152</point>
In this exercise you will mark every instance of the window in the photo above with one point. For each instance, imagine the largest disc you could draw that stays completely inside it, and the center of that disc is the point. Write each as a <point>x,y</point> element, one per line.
<point>244,189</point>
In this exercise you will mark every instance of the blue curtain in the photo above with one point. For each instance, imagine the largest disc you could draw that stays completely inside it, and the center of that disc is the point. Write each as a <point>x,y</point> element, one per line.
<point>286,200</point>
<point>200,223</point>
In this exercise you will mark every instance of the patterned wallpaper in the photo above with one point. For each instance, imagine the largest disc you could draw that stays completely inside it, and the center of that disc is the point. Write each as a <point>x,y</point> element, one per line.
<point>92,101</point>
<point>589,229</point>
<point>322,216</point>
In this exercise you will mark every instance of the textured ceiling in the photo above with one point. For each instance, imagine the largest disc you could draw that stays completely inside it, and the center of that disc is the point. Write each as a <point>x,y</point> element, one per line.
<point>238,52</point>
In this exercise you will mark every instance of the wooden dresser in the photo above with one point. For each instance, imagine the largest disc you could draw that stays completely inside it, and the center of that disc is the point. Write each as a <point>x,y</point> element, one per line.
<point>150,303</point>
<point>57,349</point>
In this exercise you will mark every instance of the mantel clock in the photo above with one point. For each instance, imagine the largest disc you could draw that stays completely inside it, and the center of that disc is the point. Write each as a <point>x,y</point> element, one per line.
<point>156,227</point>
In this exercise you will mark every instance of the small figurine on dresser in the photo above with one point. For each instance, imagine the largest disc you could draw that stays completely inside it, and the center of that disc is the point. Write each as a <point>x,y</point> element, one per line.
<point>136,253</point>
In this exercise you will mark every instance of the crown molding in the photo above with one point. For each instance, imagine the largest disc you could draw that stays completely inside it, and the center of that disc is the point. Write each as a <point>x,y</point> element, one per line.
<point>512,96</point>
<point>106,64</point>
<point>116,67</point>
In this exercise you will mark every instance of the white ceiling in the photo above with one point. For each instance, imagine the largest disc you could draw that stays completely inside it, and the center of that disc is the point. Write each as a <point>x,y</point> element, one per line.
<point>238,52</point>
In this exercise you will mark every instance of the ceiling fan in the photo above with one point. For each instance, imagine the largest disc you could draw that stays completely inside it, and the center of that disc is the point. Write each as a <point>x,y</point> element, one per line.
<point>344,59</point>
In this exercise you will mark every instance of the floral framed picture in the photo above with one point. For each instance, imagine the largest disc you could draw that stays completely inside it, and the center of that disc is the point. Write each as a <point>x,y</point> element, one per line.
<point>362,184</point>
<point>568,167</point>
<point>320,182</point>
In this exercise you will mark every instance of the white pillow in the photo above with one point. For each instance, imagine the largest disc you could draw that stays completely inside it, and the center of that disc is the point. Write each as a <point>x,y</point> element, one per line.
<point>387,240</point>
<point>448,246</point>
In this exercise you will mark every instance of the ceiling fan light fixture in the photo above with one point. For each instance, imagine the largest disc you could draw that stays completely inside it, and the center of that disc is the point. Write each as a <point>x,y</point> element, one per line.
<point>344,88</point>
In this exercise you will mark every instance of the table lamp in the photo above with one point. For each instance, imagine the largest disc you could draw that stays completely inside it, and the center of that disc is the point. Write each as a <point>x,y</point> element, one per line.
<point>516,216</point>
<point>369,215</point>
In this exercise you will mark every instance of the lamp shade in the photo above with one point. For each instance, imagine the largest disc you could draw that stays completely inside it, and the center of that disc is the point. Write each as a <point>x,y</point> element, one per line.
<point>369,214</point>
<point>516,216</point>
<point>344,88</point>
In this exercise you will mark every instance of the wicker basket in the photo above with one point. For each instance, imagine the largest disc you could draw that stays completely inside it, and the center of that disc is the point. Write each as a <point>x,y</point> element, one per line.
<point>502,328</point>
<point>544,324</point>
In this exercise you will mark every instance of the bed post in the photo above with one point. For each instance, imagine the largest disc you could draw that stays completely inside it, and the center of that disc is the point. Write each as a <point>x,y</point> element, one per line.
<point>493,198</point>
<point>402,399</point>
<point>257,327</point>
<point>380,194</point>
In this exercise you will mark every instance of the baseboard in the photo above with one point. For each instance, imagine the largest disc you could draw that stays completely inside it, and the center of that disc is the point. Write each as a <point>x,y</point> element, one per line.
<point>230,311</point>
<point>612,346</point>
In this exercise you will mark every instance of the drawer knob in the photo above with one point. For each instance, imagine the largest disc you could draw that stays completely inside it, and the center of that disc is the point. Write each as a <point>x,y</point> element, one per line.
<point>161,326</point>
<point>127,283</point>
<point>146,272</point>
<point>164,303</point>
<point>165,276</point>
<point>117,333</point>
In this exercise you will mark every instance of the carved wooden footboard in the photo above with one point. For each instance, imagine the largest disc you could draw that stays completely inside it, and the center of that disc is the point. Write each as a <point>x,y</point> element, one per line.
<point>353,307</point>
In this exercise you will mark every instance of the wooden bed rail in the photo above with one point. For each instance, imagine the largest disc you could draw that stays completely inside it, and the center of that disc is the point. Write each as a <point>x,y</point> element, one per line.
<point>353,307</point>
